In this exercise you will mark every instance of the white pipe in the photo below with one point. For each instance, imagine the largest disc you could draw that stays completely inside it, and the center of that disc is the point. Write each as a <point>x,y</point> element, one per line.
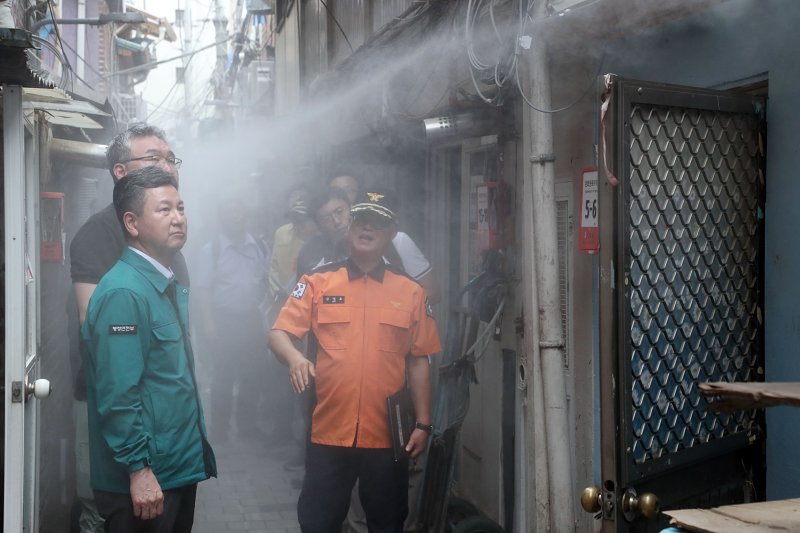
<point>551,341</point>
<point>537,486</point>
<point>80,45</point>
<point>541,453</point>
<point>520,457</point>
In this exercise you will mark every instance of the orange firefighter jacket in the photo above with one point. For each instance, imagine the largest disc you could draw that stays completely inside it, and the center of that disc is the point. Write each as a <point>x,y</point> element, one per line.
<point>365,325</point>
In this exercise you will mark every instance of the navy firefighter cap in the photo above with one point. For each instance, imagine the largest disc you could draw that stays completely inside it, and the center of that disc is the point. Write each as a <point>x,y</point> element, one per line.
<point>380,202</point>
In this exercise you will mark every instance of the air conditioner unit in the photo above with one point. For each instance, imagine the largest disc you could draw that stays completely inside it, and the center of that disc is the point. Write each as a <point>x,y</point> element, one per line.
<point>260,7</point>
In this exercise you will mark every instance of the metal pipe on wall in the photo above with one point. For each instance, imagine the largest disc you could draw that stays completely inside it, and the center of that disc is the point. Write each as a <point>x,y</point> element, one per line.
<point>88,154</point>
<point>537,486</point>
<point>548,311</point>
<point>80,45</point>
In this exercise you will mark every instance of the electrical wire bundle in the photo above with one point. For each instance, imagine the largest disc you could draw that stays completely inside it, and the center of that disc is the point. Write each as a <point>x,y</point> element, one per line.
<point>491,77</point>
<point>38,58</point>
<point>503,67</point>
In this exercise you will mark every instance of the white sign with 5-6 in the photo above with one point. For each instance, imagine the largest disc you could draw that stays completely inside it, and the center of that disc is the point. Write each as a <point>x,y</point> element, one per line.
<point>588,236</point>
<point>589,207</point>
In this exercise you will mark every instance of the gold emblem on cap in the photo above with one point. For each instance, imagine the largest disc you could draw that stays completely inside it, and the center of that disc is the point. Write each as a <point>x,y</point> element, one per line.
<point>374,197</point>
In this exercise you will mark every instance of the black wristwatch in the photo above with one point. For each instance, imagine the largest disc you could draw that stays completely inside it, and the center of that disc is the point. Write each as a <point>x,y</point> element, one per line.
<point>427,428</point>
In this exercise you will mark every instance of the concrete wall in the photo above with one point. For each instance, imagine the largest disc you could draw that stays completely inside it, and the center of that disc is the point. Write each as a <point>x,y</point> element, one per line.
<point>731,44</point>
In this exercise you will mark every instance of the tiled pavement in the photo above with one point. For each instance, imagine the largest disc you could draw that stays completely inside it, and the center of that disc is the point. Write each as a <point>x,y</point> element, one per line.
<point>253,492</point>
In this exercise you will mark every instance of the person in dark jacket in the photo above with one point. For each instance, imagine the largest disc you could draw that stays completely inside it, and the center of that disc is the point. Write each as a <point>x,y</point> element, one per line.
<point>148,445</point>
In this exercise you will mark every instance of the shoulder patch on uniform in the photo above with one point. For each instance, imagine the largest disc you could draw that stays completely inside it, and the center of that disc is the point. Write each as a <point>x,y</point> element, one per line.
<point>428,308</point>
<point>299,290</point>
<point>333,299</point>
<point>122,329</point>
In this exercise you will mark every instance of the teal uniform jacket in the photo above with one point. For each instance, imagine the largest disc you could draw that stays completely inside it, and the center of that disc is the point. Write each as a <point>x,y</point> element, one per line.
<point>141,393</point>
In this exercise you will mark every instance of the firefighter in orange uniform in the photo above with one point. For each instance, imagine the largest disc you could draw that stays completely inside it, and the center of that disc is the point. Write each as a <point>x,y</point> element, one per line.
<point>367,317</point>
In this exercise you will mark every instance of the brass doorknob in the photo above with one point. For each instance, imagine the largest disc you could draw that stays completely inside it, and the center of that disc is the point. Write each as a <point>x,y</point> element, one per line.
<point>591,499</point>
<point>646,505</point>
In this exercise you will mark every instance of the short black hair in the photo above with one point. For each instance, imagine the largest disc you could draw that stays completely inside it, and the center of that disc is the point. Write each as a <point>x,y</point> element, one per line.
<point>324,196</point>
<point>129,192</point>
<point>119,149</point>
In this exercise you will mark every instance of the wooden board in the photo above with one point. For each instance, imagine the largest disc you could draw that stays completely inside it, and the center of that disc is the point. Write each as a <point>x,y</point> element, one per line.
<point>762,517</point>
<point>730,396</point>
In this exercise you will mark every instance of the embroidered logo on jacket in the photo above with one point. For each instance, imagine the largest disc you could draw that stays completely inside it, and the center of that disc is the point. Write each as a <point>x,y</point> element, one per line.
<point>333,299</point>
<point>299,290</point>
<point>124,329</point>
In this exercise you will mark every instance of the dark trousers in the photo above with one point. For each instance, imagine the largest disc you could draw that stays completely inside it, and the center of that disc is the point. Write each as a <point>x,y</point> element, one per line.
<point>178,515</point>
<point>331,472</point>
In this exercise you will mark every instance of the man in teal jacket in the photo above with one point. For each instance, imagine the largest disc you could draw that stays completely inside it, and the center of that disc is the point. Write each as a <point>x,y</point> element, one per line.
<point>148,442</point>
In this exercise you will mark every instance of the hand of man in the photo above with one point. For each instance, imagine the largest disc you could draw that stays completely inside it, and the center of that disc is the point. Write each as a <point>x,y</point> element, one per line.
<point>300,373</point>
<point>146,495</point>
<point>417,443</point>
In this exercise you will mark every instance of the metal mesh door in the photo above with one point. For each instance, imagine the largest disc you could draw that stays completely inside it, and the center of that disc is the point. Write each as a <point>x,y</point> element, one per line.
<point>690,226</point>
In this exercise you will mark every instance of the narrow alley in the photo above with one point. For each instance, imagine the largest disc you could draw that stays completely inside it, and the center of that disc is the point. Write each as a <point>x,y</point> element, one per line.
<point>254,493</point>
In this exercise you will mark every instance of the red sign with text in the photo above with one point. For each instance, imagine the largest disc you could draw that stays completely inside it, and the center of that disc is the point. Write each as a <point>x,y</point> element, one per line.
<point>589,234</point>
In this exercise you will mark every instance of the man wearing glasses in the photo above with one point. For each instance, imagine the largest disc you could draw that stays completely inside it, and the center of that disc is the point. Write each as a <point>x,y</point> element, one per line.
<point>331,211</point>
<point>96,247</point>
<point>367,316</point>
<point>99,242</point>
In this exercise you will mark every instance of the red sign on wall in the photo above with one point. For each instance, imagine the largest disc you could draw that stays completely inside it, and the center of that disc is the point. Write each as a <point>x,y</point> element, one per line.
<point>589,234</point>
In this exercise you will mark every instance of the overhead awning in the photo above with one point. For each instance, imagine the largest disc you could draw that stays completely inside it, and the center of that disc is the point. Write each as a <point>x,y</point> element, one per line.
<point>60,109</point>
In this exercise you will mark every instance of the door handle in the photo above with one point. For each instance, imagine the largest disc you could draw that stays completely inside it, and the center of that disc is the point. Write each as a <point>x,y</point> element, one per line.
<point>40,389</point>
<point>645,504</point>
<point>599,502</point>
<point>591,499</point>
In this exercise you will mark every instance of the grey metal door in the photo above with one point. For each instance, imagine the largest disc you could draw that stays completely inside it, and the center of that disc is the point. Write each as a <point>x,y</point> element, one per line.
<point>680,298</point>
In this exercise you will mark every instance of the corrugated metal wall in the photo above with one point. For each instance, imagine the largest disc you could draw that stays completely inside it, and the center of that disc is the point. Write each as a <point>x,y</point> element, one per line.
<point>385,12</point>
<point>352,29</point>
<point>313,40</point>
<point>328,34</point>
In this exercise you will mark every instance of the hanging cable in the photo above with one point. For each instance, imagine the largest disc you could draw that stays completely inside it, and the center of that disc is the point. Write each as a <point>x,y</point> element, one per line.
<point>60,42</point>
<point>503,66</point>
<point>330,13</point>
<point>571,104</point>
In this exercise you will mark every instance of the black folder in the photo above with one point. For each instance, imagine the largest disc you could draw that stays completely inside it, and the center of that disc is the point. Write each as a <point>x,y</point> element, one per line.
<point>401,421</point>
